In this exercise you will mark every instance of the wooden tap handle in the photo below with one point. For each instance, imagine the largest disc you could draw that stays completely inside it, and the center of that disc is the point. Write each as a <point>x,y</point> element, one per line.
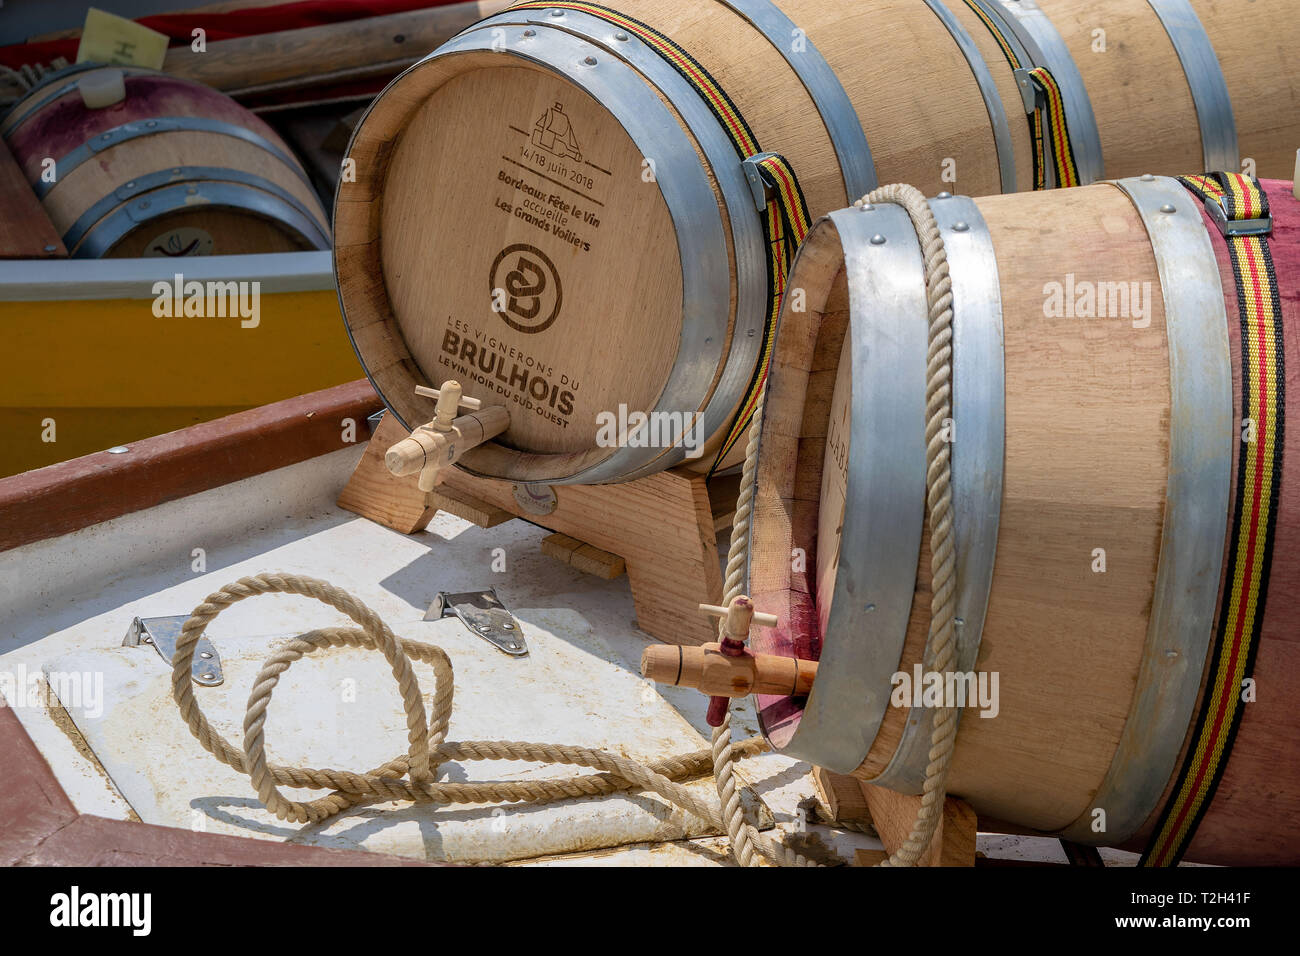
<point>739,617</point>
<point>462,400</point>
<point>717,674</point>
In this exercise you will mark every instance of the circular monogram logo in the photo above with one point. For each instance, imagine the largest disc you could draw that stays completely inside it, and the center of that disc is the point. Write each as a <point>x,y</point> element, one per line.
<point>526,289</point>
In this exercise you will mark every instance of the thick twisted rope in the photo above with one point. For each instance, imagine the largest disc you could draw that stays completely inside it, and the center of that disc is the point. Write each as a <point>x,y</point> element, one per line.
<point>942,648</point>
<point>410,776</point>
<point>740,833</point>
<point>31,75</point>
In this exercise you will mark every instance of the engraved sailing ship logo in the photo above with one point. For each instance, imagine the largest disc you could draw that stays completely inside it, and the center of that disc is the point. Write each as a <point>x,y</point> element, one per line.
<point>554,133</point>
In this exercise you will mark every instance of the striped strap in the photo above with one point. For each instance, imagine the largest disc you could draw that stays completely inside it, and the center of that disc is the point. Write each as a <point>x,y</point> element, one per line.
<point>785,219</point>
<point>1259,474</point>
<point>1047,126</point>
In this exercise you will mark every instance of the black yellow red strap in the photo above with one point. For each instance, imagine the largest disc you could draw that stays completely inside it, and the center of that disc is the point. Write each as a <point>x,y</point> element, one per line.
<point>1047,127</point>
<point>1259,475</point>
<point>785,220</point>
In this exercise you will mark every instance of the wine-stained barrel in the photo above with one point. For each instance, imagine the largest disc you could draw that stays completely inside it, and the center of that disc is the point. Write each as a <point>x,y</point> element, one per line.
<point>132,162</point>
<point>567,207</point>
<point>1127,520</point>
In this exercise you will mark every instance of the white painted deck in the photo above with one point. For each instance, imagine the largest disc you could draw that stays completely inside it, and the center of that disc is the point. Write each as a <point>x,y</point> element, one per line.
<point>68,602</point>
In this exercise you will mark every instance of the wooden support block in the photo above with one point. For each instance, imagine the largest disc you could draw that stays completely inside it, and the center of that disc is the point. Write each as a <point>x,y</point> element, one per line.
<point>374,493</point>
<point>661,527</point>
<point>841,795</point>
<point>465,506</point>
<point>869,857</point>
<point>1080,855</point>
<point>723,493</point>
<point>893,815</point>
<point>25,230</point>
<point>584,557</point>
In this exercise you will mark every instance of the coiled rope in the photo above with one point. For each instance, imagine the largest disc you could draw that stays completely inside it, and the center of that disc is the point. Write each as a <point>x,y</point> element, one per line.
<point>411,776</point>
<point>28,76</point>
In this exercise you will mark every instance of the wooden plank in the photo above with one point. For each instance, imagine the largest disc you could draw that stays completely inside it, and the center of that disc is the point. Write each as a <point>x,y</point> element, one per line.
<point>98,841</point>
<point>463,505</point>
<point>396,40</point>
<point>584,557</point>
<point>842,796</point>
<point>374,493</point>
<point>74,494</point>
<point>869,857</point>
<point>25,230</point>
<point>662,527</point>
<point>893,815</point>
<point>32,804</point>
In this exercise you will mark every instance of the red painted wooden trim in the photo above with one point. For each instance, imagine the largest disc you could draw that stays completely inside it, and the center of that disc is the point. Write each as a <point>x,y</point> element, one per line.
<point>32,804</point>
<point>41,827</point>
<point>98,841</point>
<point>75,494</point>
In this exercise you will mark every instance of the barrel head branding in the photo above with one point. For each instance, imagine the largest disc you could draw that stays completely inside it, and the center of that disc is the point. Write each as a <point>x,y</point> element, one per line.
<point>526,288</point>
<point>183,241</point>
<point>526,256</point>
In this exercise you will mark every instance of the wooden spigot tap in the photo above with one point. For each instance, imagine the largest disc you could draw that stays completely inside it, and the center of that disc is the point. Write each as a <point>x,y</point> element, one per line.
<point>709,670</point>
<point>441,442</point>
<point>726,669</point>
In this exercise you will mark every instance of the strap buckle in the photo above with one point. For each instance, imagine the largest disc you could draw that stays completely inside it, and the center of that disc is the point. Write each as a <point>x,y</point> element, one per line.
<point>762,190</point>
<point>1239,227</point>
<point>1033,95</point>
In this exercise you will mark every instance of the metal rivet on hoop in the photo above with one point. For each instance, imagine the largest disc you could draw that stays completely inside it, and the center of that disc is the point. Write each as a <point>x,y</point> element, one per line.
<point>590,61</point>
<point>878,240</point>
<point>1167,207</point>
<point>961,227</point>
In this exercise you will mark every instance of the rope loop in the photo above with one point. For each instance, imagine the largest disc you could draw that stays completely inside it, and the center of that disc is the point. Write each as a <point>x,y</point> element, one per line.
<point>410,776</point>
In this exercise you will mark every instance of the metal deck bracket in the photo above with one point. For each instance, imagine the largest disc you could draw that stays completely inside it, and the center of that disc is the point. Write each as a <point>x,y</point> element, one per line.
<point>484,614</point>
<point>163,632</point>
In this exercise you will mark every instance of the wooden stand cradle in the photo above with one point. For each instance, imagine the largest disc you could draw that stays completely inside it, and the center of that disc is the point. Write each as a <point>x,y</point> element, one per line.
<point>662,530</point>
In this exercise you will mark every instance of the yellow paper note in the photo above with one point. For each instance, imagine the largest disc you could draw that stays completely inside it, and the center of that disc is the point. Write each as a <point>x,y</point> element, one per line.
<point>112,39</point>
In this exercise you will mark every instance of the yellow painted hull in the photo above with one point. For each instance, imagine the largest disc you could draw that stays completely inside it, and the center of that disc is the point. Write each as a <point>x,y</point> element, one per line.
<point>91,373</point>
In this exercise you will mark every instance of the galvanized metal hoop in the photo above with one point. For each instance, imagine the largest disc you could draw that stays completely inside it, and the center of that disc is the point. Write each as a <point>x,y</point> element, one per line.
<point>979,424</point>
<point>136,189</point>
<point>988,90</point>
<point>1197,503</point>
<point>881,537</point>
<point>828,94</point>
<point>162,124</point>
<point>1205,79</point>
<point>233,195</point>
<point>1038,36</point>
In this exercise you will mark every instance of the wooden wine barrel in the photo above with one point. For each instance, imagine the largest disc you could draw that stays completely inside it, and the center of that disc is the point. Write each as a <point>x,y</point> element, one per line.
<point>171,168</point>
<point>1122,504</point>
<point>553,210</point>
